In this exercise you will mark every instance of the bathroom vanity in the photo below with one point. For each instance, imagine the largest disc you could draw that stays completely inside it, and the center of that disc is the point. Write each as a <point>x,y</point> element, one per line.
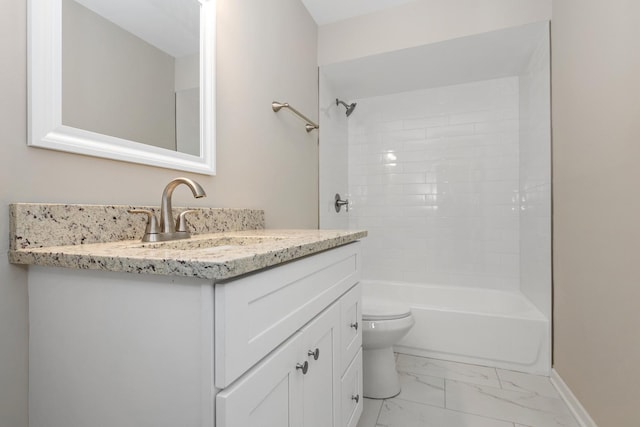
<point>237,327</point>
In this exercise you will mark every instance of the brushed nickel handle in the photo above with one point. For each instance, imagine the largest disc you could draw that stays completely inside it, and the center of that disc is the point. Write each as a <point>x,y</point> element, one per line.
<point>304,367</point>
<point>354,325</point>
<point>152,228</point>
<point>181,221</point>
<point>356,397</point>
<point>339,203</point>
<point>315,354</point>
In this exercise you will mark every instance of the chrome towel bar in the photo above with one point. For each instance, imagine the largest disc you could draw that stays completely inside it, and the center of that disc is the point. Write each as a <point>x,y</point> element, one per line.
<point>309,126</point>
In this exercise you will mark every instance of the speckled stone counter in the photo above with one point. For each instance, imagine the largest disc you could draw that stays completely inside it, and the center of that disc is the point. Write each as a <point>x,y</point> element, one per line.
<point>108,238</point>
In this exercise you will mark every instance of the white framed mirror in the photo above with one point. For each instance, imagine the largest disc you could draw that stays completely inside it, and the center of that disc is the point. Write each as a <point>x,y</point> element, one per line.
<point>97,96</point>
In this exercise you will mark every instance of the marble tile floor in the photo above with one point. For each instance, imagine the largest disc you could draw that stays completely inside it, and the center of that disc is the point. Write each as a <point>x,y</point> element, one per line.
<point>438,393</point>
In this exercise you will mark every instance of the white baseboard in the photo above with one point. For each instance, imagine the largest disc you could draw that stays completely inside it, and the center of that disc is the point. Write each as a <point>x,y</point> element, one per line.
<point>578,411</point>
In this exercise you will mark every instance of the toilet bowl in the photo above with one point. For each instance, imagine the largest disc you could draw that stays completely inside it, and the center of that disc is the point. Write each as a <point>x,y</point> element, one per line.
<point>384,323</point>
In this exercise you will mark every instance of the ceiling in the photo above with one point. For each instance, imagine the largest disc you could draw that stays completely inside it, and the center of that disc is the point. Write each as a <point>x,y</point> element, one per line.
<point>328,11</point>
<point>172,26</point>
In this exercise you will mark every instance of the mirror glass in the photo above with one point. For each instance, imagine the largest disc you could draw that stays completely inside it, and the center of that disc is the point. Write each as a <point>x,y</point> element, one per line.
<point>125,79</point>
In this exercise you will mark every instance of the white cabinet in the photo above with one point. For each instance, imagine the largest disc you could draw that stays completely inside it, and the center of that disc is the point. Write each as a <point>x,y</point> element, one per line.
<point>321,346</point>
<point>322,384</point>
<point>112,349</point>
<point>297,385</point>
<point>351,403</point>
<point>254,314</point>
<point>350,326</point>
<point>278,348</point>
<point>303,383</point>
<point>269,395</point>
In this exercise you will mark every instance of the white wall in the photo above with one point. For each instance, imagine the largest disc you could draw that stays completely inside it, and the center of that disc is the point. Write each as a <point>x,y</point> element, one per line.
<point>535,178</point>
<point>265,160</point>
<point>421,22</point>
<point>333,156</point>
<point>433,176</point>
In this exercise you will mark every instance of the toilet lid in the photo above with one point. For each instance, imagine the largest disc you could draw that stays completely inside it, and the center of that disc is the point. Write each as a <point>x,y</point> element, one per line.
<point>381,309</point>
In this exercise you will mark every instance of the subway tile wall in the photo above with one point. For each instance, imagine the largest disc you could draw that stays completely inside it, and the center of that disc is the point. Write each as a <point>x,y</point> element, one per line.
<point>535,178</point>
<point>434,177</point>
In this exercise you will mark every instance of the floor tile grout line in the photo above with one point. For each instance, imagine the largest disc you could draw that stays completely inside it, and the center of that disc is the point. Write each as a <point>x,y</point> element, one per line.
<point>418,374</point>
<point>471,366</point>
<point>510,391</point>
<point>500,385</point>
<point>481,416</point>
<point>379,412</point>
<point>520,391</point>
<point>418,403</point>
<point>499,379</point>
<point>453,410</point>
<point>464,381</point>
<point>444,387</point>
<point>447,393</point>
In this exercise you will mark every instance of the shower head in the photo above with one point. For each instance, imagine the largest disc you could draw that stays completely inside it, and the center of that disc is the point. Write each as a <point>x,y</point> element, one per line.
<point>349,108</point>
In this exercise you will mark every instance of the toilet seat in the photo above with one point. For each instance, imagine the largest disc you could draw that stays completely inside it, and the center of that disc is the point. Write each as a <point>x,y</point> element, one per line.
<point>377,309</point>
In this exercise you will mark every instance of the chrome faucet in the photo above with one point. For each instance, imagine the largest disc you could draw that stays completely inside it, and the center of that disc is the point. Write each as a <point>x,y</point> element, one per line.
<point>169,230</point>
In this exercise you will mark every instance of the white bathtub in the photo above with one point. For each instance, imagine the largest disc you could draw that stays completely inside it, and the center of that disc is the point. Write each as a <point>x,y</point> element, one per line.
<point>486,327</point>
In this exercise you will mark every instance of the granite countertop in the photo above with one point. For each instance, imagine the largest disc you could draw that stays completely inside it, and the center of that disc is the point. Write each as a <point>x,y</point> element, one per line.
<point>239,250</point>
<point>216,262</point>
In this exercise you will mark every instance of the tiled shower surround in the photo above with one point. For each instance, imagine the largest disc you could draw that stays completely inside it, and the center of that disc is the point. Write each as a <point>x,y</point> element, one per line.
<point>434,176</point>
<point>535,179</point>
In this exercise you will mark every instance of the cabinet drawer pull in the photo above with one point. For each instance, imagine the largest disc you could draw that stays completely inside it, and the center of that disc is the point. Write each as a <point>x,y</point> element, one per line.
<point>356,398</point>
<point>304,367</point>
<point>354,325</point>
<point>315,354</point>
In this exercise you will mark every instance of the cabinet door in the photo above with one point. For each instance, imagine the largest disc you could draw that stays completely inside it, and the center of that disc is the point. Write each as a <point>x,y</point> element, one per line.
<point>256,313</point>
<point>351,403</point>
<point>269,395</point>
<point>351,325</point>
<point>321,343</point>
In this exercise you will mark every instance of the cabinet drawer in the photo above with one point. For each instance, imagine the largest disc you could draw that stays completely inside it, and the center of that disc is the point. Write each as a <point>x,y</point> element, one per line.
<point>350,325</point>
<point>254,314</point>
<point>351,398</point>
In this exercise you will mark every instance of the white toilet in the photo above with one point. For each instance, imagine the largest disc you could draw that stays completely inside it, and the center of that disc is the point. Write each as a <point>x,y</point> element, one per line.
<point>384,324</point>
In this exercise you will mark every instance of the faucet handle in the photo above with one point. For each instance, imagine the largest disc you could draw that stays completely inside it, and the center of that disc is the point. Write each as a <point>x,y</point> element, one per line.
<point>181,221</point>
<point>152,223</point>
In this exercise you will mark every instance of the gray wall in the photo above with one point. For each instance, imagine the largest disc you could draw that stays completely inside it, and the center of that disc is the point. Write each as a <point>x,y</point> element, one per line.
<point>265,160</point>
<point>596,150</point>
<point>115,83</point>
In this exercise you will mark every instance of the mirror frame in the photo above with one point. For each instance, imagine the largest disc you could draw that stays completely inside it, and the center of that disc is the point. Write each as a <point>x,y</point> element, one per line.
<point>45,126</point>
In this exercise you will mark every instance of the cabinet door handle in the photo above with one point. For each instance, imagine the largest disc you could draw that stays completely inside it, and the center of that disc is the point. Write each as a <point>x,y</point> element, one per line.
<point>354,325</point>
<point>356,397</point>
<point>304,367</point>
<point>315,354</point>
